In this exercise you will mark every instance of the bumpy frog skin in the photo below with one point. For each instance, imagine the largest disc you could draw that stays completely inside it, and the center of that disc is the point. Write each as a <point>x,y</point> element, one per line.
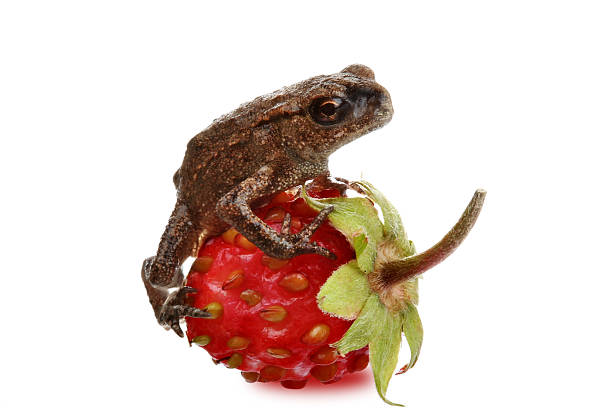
<point>275,142</point>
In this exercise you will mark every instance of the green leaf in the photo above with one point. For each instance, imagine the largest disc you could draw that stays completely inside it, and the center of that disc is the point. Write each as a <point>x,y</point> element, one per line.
<point>345,292</point>
<point>384,350</point>
<point>359,334</point>
<point>413,330</point>
<point>381,330</point>
<point>393,228</point>
<point>360,244</point>
<point>358,220</point>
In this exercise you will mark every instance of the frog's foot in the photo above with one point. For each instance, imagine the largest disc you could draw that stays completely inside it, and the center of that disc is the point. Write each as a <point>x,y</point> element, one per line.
<point>174,309</point>
<point>300,243</point>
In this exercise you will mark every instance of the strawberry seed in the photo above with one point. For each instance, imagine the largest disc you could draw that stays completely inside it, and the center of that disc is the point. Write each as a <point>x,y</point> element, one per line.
<point>201,264</point>
<point>250,297</point>
<point>229,236</point>
<point>203,340</point>
<point>279,352</point>
<point>324,373</point>
<point>238,343</point>
<point>244,243</point>
<point>273,263</point>
<point>215,309</point>
<point>294,282</point>
<point>274,313</point>
<point>317,334</point>
<point>271,373</point>
<point>250,377</point>
<point>234,280</point>
<point>234,361</point>
<point>324,355</point>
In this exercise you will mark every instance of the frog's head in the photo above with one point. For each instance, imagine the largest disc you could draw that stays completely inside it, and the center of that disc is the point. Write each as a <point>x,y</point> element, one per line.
<point>326,112</point>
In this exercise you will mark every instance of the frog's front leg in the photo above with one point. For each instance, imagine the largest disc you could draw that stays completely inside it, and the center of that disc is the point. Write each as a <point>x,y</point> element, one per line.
<point>162,273</point>
<point>234,208</point>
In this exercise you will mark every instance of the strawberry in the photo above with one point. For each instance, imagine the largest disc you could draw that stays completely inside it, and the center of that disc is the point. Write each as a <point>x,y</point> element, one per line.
<point>310,316</point>
<point>269,325</point>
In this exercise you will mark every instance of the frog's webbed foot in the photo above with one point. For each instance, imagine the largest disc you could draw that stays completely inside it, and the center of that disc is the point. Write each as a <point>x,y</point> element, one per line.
<point>174,309</point>
<point>299,244</point>
<point>169,306</point>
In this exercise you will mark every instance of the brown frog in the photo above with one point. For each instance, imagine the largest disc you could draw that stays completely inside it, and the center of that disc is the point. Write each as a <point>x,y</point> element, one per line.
<point>275,142</point>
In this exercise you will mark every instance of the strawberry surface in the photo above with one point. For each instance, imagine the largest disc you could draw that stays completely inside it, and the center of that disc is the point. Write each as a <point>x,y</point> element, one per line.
<point>266,319</point>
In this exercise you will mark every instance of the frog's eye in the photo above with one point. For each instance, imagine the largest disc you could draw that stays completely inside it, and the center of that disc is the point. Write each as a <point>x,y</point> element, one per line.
<point>329,111</point>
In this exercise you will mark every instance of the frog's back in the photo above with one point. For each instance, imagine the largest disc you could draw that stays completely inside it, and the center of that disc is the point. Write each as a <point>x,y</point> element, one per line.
<point>213,164</point>
<point>224,154</point>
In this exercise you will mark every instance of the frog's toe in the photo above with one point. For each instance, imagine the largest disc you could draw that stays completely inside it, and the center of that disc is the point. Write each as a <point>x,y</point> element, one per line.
<point>169,319</point>
<point>313,248</point>
<point>324,251</point>
<point>316,222</point>
<point>175,325</point>
<point>300,244</point>
<point>188,311</point>
<point>187,289</point>
<point>171,316</point>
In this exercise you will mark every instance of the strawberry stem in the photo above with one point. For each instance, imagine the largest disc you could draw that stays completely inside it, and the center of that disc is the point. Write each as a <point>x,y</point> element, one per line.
<point>395,272</point>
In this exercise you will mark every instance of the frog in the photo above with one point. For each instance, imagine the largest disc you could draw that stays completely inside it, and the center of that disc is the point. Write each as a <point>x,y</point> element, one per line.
<point>273,143</point>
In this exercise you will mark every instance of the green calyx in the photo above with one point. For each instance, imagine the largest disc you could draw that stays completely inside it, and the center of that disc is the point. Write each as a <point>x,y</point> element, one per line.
<point>379,289</point>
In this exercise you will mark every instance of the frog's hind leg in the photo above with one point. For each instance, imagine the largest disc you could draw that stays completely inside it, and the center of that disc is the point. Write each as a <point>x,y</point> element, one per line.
<point>162,272</point>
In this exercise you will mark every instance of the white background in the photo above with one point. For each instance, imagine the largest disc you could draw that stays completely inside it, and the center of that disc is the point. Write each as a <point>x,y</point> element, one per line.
<point>97,103</point>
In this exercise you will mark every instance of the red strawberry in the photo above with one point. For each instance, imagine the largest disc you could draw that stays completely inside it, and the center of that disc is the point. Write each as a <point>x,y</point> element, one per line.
<point>286,320</point>
<point>269,325</point>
